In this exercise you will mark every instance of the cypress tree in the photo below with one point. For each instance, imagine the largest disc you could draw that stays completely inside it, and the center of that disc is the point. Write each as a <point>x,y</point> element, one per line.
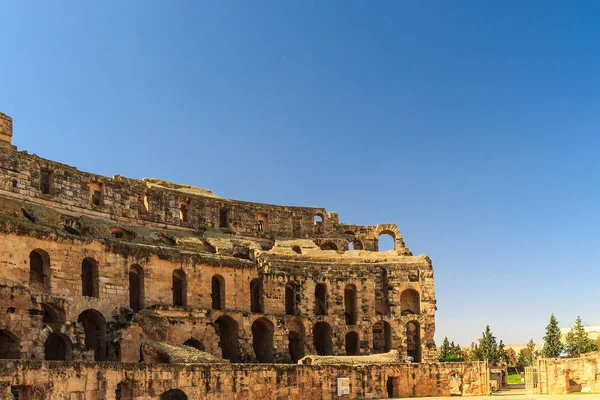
<point>552,344</point>
<point>445,349</point>
<point>577,341</point>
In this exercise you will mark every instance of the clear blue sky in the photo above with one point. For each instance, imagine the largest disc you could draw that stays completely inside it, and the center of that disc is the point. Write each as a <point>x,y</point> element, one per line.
<point>472,125</point>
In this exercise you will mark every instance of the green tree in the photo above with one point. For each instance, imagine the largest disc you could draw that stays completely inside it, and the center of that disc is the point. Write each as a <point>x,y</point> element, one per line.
<point>532,354</point>
<point>523,359</point>
<point>577,341</point>
<point>456,352</point>
<point>449,352</point>
<point>487,348</point>
<point>444,351</point>
<point>552,344</point>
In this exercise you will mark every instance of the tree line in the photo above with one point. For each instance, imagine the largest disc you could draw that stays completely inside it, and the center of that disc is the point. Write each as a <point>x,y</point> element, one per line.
<point>487,348</point>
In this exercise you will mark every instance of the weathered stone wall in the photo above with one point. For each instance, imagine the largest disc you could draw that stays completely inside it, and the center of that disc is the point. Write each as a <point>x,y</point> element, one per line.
<point>195,320</point>
<point>569,375</point>
<point>73,380</point>
<point>158,203</point>
<point>91,268</point>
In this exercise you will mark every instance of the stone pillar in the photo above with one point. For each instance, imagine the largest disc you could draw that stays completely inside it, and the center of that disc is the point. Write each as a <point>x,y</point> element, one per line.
<point>6,128</point>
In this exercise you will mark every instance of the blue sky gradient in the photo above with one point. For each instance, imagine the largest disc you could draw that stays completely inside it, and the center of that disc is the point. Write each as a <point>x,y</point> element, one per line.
<point>472,125</point>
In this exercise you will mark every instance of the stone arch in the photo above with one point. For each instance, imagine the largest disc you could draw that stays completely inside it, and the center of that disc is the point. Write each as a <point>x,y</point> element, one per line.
<point>355,245</point>
<point>10,349</point>
<point>262,222</point>
<point>195,343</point>
<point>39,269</point>
<point>350,304</point>
<point>382,300</point>
<point>58,347</point>
<point>382,337</point>
<point>217,294</point>
<point>184,210</point>
<point>262,340</point>
<point>321,299</point>
<point>329,246</point>
<point>352,344</point>
<point>410,302</point>
<point>52,314</point>
<point>322,339</point>
<point>256,296</point>
<point>291,290</point>
<point>124,391</point>
<point>223,218</point>
<point>179,289</point>
<point>94,326</point>
<point>296,340</point>
<point>173,394</point>
<point>90,278</point>
<point>386,241</point>
<point>228,331</point>
<point>136,287</point>
<point>319,220</point>
<point>413,340</point>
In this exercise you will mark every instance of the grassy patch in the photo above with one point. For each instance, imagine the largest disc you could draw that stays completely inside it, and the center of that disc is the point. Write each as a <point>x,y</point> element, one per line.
<point>514,379</point>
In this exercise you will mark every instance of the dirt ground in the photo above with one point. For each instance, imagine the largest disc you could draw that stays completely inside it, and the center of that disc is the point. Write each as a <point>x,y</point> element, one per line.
<point>517,392</point>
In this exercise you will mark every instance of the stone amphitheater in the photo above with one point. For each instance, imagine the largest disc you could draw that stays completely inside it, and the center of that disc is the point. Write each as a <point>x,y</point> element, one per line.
<point>117,288</point>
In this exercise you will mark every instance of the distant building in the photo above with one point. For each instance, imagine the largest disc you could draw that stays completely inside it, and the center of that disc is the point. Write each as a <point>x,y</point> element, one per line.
<point>592,331</point>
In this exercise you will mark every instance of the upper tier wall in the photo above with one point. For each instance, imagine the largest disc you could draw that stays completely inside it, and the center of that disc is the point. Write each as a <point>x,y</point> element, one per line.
<point>168,205</point>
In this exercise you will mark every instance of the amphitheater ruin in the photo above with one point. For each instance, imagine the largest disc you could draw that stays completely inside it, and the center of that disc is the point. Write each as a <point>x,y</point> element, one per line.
<point>116,288</point>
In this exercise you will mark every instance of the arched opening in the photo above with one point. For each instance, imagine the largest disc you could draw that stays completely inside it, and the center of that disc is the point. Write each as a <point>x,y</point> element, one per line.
<point>262,340</point>
<point>184,211</point>
<point>173,394</point>
<point>256,296</point>
<point>329,246</point>
<point>58,348</point>
<point>382,337</point>
<point>382,301</point>
<point>392,386</point>
<point>413,340</point>
<point>321,299</point>
<point>195,344</point>
<point>94,326</point>
<point>52,314</point>
<point>124,391</point>
<point>218,292</point>
<point>179,288</point>
<point>136,287</point>
<point>39,270</point>
<point>227,330</point>
<point>223,218</point>
<point>352,344</point>
<point>263,223</point>
<point>90,278</point>
<point>350,304</point>
<point>296,340</point>
<point>297,249</point>
<point>355,245</point>
<point>9,346</point>
<point>386,241</point>
<point>322,339</point>
<point>290,298</point>
<point>410,302</point>
<point>318,222</point>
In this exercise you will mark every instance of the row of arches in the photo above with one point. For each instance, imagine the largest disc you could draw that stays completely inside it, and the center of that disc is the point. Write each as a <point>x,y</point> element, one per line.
<point>410,299</point>
<point>385,242</point>
<point>410,302</point>
<point>59,347</point>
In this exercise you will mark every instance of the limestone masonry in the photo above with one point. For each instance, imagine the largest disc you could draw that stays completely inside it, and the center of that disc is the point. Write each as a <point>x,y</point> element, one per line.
<point>116,288</point>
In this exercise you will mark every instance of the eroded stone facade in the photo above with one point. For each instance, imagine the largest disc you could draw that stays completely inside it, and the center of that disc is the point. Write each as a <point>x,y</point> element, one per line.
<point>92,267</point>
